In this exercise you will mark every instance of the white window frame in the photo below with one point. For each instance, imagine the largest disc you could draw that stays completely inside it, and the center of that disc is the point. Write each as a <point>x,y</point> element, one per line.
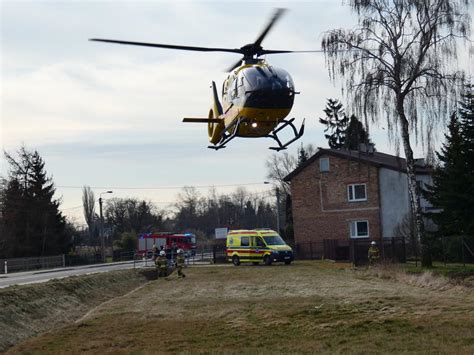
<point>353,228</point>
<point>350,188</point>
<point>321,165</point>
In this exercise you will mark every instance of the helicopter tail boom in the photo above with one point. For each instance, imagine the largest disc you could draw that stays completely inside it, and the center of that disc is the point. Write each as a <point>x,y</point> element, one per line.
<point>201,120</point>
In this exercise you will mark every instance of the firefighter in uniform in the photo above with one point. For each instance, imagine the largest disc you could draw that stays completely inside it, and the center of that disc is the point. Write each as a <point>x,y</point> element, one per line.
<point>374,253</point>
<point>178,265</point>
<point>155,252</point>
<point>162,264</point>
<point>180,260</point>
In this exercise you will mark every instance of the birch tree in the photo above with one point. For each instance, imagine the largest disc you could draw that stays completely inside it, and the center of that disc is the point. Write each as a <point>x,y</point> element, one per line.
<point>399,63</point>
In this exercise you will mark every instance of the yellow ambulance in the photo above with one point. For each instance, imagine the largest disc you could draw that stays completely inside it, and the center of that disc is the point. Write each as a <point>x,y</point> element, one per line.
<point>257,245</point>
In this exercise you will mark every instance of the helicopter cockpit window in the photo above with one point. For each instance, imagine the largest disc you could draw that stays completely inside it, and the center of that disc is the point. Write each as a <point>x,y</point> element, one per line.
<point>256,78</point>
<point>230,87</point>
<point>234,88</point>
<point>224,87</point>
<point>283,78</point>
<point>261,78</point>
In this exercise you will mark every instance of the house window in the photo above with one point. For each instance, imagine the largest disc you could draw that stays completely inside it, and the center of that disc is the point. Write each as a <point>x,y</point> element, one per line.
<point>359,229</point>
<point>324,165</point>
<point>357,192</point>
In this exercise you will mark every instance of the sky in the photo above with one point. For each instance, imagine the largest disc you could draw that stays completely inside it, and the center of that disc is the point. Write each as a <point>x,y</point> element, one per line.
<point>109,116</point>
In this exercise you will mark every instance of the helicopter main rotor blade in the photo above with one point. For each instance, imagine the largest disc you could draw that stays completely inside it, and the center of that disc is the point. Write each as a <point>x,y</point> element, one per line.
<point>272,51</point>
<point>275,17</point>
<point>170,46</point>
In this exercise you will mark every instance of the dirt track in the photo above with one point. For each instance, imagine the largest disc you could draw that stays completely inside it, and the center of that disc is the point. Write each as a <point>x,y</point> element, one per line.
<point>306,307</point>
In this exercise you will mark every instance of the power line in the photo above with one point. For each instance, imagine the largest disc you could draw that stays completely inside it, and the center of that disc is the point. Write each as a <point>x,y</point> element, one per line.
<point>156,188</point>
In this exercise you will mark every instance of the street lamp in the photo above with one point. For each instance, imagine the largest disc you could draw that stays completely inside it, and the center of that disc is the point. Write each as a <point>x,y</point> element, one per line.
<point>102,241</point>
<point>277,193</point>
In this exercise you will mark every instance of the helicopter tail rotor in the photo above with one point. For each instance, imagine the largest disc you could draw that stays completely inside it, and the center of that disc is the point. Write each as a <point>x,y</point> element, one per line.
<point>214,129</point>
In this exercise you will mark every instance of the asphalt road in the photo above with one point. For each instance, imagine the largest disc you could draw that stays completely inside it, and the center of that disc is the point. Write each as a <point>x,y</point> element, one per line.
<point>29,277</point>
<point>23,278</point>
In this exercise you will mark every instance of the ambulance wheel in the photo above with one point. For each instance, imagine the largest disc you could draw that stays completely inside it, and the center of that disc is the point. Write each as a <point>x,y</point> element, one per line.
<point>255,263</point>
<point>267,260</point>
<point>287,262</point>
<point>235,260</point>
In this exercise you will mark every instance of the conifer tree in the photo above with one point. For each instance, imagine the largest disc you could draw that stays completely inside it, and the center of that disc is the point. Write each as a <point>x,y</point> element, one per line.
<point>302,156</point>
<point>356,134</point>
<point>336,123</point>
<point>466,121</point>
<point>447,193</point>
<point>33,224</point>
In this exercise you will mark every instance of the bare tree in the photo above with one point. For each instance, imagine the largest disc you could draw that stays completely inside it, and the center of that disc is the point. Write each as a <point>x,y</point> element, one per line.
<point>399,62</point>
<point>280,165</point>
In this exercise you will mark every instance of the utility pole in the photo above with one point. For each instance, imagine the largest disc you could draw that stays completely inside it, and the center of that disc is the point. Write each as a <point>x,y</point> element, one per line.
<point>102,239</point>
<point>277,193</point>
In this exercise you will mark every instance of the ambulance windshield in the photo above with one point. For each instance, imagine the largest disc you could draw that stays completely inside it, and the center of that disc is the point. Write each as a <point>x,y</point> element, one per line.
<point>274,240</point>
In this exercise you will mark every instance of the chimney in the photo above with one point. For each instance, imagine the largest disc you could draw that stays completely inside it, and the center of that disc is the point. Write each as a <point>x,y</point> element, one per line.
<point>420,162</point>
<point>368,148</point>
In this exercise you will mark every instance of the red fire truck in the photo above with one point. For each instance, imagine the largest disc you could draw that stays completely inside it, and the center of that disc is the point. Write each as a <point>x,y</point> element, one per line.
<point>185,241</point>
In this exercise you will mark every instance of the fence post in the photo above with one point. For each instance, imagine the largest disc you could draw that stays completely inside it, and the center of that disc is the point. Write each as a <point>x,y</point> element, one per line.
<point>393,251</point>
<point>444,250</point>
<point>351,247</point>
<point>415,249</point>
<point>462,249</point>
<point>404,250</point>
<point>6,266</point>
<point>64,260</point>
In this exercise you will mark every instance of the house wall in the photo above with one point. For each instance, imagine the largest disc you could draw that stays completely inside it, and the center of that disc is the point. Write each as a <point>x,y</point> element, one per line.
<point>321,209</point>
<point>394,200</point>
<point>425,180</point>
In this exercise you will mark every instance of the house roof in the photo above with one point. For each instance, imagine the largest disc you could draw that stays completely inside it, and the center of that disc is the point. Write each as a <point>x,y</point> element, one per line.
<point>378,159</point>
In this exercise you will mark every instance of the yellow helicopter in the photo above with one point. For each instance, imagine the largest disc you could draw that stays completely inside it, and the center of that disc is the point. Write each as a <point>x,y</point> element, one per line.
<point>256,97</point>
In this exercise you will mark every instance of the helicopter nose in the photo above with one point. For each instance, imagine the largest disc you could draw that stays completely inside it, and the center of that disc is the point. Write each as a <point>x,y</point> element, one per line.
<point>270,98</point>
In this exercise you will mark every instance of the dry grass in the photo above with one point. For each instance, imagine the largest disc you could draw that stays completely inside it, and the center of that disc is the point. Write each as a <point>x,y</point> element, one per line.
<point>306,307</point>
<point>32,309</point>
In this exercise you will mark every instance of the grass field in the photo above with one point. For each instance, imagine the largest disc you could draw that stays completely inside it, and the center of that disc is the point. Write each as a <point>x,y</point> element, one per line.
<point>305,307</point>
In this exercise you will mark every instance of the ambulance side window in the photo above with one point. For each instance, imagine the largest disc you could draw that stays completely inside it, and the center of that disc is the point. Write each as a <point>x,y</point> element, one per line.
<point>259,242</point>
<point>244,242</point>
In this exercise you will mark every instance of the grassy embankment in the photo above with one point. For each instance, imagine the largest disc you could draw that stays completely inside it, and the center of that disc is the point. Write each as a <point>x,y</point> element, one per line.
<point>29,310</point>
<point>306,307</point>
<point>451,270</point>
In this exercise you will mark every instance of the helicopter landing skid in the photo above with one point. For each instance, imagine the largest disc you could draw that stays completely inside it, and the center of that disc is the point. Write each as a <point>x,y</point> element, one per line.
<point>274,134</point>
<point>227,137</point>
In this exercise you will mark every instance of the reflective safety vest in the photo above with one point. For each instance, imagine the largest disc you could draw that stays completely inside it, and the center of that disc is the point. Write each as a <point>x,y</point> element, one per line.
<point>161,262</point>
<point>180,260</point>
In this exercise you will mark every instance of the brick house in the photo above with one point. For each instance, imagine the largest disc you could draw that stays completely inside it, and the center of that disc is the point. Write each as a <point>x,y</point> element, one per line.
<point>343,195</point>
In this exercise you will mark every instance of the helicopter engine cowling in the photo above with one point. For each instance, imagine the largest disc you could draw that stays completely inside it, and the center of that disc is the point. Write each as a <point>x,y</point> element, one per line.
<point>214,130</point>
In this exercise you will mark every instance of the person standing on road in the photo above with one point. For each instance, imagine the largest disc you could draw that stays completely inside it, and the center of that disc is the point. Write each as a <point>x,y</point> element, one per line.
<point>374,253</point>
